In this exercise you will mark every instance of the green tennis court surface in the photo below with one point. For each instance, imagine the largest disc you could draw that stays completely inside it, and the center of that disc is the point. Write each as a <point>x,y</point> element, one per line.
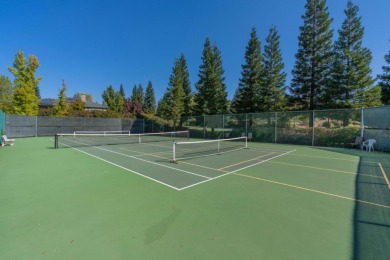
<point>130,202</point>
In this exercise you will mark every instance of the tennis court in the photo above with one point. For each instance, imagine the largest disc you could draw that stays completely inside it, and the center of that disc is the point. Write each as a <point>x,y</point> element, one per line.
<point>130,201</point>
<point>197,162</point>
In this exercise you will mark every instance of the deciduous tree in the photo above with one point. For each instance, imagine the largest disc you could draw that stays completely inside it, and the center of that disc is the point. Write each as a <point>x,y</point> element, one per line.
<point>6,94</point>
<point>61,107</point>
<point>25,101</point>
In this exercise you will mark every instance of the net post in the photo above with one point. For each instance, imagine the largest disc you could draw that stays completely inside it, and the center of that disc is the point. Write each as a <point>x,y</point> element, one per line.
<point>246,142</point>
<point>219,142</point>
<point>139,139</point>
<point>174,152</point>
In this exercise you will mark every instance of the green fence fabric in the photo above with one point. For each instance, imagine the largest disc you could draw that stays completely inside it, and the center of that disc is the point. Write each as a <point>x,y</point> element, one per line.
<point>2,122</point>
<point>330,128</point>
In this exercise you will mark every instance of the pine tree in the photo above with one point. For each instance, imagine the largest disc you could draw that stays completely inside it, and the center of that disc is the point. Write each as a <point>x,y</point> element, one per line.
<point>25,101</point>
<point>61,107</point>
<point>150,100</point>
<point>137,98</point>
<point>134,93</point>
<point>6,94</point>
<point>163,107</point>
<point>176,101</point>
<point>211,96</point>
<point>122,92</point>
<point>138,94</point>
<point>246,98</point>
<point>385,81</point>
<point>313,58</point>
<point>350,85</point>
<point>186,86</point>
<point>272,95</point>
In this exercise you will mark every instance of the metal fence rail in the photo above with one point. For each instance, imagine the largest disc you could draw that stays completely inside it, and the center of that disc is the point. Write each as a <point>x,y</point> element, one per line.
<point>331,128</point>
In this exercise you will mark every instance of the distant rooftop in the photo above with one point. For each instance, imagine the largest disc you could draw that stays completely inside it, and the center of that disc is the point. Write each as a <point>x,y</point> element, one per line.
<point>89,105</point>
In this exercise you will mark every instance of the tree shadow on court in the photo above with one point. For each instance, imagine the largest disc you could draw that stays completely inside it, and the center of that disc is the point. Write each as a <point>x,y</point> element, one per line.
<point>160,229</point>
<point>371,219</point>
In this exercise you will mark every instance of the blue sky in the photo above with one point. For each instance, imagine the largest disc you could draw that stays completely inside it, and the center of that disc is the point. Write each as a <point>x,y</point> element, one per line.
<point>93,44</point>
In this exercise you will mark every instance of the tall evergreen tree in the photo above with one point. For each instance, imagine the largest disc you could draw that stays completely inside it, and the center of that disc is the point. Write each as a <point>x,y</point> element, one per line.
<point>134,93</point>
<point>313,58</point>
<point>385,81</point>
<point>25,100</point>
<point>163,107</point>
<point>122,92</point>
<point>351,82</point>
<point>150,100</point>
<point>6,94</point>
<point>188,102</point>
<point>61,107</point>
<point>176,100</point>
<point>246,98</point>
<point>272,90</point>
<point>211,96</point>
<point>138,94</point>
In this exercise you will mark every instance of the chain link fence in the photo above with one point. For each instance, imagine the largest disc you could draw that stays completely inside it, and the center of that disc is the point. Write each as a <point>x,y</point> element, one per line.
<point>330,128</point>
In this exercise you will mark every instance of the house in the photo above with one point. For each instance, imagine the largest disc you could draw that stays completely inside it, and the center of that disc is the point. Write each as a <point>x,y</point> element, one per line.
<point>89,105</point>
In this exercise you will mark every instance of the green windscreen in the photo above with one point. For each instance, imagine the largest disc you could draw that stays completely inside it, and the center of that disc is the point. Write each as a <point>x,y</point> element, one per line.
<point>2,122</point>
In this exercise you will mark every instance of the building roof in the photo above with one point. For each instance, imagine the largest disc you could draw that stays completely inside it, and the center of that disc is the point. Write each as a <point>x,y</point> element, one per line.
<point>50,102</point>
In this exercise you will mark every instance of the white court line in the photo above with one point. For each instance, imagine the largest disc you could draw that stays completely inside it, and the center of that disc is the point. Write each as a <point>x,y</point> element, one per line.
<point>316,191</point>
<point>202,176</point>
<point>246,167</point>
<point>179,189</point>
<point>124,168</point>
<point>161,165</point>
<point>229,166</point>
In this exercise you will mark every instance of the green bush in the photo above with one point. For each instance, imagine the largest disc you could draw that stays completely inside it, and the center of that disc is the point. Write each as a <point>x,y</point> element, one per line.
<point>335,137</point>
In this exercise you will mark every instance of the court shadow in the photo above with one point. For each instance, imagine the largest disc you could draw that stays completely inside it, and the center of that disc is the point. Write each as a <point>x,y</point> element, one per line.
<point>371,221</point>
<point>160,229</point>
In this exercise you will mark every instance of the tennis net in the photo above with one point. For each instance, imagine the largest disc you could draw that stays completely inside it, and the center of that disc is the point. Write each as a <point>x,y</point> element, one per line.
<point>188,150</point>
<point>98,139</point>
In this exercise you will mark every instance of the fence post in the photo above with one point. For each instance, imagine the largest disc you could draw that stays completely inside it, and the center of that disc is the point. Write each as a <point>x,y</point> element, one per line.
<point>362,122</point>
<point>246,124</point>
<point>276,126</point>
<point>312,135</point>
<point>36,126</point>
<point>223,126</point>
<point>204,127</point>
